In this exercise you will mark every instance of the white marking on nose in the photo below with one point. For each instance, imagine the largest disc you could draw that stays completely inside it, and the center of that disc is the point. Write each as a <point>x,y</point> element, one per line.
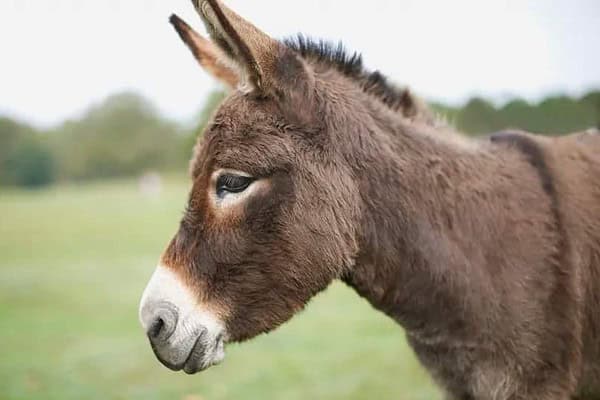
<point>193,319</point>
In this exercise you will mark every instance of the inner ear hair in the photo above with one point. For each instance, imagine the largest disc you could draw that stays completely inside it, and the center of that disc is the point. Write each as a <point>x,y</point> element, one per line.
<point>209,55</point>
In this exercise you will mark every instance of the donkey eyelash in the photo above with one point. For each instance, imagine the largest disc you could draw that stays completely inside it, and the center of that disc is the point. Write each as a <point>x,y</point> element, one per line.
<point>229,183</point>
<point>233,181</point>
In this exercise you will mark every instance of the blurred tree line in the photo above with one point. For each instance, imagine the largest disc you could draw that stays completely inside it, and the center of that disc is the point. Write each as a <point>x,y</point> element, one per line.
<point>123,136</point>
<point>552,116</point>
<point>126,136</point>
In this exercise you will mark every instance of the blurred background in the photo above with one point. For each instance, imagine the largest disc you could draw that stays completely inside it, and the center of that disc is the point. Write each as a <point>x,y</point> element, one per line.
<point>100,105</point>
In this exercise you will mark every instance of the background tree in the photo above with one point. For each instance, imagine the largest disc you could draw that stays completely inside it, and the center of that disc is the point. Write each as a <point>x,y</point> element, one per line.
<point>122,136</point>
<point>25,159</point>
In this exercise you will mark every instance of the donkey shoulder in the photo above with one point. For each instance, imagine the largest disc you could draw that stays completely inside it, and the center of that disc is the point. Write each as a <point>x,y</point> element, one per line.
<point>577,161</point>
<point>571,163</point>
<point>569,167</point>
<point>576,151</point>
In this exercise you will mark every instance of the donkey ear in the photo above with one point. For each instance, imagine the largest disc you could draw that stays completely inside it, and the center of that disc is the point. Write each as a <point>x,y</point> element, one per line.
<point>206,52</point>
<point>252,51</point>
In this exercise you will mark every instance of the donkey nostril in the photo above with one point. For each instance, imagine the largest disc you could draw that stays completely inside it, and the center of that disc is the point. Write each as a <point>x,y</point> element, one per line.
<point>157,326</point>
<point>163,325</point>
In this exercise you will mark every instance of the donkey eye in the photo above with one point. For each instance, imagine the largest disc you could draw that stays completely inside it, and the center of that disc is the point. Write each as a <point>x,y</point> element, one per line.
<point>232,184</point>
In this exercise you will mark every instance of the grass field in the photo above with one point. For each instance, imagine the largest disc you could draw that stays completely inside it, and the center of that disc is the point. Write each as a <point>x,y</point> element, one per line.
<point>73,264</point>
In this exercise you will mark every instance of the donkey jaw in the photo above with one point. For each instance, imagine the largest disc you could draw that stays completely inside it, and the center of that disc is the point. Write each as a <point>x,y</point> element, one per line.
<point>183,334</point>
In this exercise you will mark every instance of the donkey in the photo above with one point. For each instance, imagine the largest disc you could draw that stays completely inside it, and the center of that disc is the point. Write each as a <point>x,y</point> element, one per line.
<point>313,169</point>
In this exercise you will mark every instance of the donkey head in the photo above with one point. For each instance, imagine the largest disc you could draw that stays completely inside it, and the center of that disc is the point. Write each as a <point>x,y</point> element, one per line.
<point>273,208</point>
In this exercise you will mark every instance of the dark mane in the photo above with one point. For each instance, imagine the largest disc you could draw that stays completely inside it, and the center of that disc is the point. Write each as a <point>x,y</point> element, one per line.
<point>350,64</point>
<point>325,52</point>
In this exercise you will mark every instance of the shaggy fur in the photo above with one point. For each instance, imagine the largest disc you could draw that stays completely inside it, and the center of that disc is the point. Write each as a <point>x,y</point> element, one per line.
<point>335,56</point>
<point>487,253</point>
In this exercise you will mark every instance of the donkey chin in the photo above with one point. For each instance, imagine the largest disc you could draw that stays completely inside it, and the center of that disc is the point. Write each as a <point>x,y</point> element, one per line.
<point>183,335</point>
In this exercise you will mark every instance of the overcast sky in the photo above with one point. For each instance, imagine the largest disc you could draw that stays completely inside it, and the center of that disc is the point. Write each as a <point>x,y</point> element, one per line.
<point>59,56</point>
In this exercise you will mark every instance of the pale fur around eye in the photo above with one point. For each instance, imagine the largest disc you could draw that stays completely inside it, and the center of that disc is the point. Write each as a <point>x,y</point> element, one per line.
<point>231,187</point>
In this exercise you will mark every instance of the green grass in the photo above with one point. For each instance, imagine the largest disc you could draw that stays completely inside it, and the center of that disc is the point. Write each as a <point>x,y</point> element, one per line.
<point>73,263</point>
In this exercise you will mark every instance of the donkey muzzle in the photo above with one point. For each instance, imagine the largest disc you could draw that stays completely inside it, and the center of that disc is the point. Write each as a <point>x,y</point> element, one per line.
<point>182,334</point>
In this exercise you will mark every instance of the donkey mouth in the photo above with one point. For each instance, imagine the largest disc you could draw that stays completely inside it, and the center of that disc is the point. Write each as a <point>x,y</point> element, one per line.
<point>203,355</point>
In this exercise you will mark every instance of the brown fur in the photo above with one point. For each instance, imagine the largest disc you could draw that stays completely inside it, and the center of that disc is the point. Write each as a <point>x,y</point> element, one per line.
<point>487,253</point>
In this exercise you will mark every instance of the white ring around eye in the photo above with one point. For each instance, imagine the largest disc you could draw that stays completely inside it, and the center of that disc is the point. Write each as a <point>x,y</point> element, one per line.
<point>230,199</point>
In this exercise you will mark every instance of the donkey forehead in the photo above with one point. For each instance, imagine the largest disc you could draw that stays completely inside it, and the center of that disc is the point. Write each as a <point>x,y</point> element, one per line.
<point>240,111</point>
<point>244,135</point>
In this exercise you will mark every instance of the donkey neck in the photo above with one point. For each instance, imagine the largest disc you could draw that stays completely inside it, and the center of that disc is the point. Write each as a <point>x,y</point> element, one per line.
<point>418,244</point>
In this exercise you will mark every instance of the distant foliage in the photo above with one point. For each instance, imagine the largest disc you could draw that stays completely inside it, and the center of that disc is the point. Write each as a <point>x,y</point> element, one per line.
<point>31,165</point>
<point>552,116</point>
<point>25,157</point>
<point>123,136</point>
<point>126,136</point>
